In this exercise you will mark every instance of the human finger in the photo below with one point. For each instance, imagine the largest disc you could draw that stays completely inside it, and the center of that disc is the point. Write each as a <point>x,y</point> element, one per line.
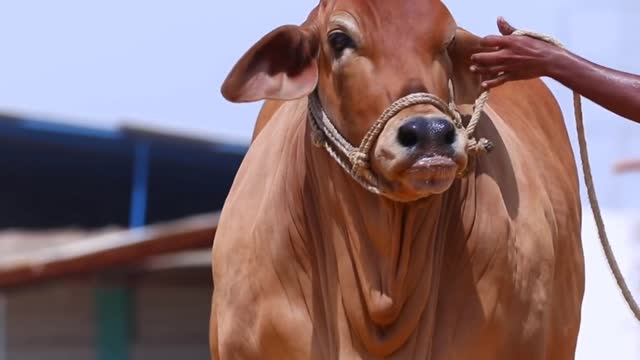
<point>504,27</point>
<point>490,71</point>
<point>490,84</point>
<point>489,58</point>
<point>492,41</point>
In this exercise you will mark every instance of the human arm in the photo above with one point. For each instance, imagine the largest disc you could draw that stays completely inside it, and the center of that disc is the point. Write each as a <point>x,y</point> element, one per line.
<point>510,57</point>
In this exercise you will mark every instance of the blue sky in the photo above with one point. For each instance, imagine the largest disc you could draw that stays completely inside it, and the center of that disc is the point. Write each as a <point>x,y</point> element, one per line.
<point>156,62</point>
<point>159,63</point>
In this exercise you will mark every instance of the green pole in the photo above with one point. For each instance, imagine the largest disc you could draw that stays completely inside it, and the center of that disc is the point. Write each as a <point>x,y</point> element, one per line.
<point>113,309</point>
<point>113,306</point>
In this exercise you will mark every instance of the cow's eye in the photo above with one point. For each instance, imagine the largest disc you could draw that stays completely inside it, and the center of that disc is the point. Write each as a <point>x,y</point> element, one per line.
<point>340,41</point>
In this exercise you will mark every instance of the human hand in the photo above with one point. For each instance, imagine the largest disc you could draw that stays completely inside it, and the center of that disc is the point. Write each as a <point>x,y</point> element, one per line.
<point>512,57</point>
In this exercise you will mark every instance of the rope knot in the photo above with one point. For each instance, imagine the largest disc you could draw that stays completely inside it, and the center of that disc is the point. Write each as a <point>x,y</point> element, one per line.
<point>481,146</point>
<point>358,160</point>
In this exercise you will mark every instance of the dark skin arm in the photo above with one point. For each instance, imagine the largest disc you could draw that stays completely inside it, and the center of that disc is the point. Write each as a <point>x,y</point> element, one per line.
<point>509,58</point>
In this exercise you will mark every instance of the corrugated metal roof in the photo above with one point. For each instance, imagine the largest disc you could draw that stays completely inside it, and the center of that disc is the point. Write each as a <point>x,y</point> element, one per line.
<point>128,132</point>
<point>57,175</point>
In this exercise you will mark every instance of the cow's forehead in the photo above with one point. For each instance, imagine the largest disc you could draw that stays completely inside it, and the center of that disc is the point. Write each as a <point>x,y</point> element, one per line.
<point>409,16</point>
<point>409,6</point>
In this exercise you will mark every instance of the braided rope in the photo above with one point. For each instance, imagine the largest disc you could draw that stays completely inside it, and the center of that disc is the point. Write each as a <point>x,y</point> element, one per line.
<point>355,160</point>
<point>477,112</point>
<point>588,178</point>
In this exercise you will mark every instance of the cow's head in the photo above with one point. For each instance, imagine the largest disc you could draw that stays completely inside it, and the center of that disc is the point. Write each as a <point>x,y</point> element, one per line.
<point>362,55</point>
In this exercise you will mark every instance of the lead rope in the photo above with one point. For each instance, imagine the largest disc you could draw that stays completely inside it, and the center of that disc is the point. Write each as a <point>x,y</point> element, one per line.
<point>593,199</point>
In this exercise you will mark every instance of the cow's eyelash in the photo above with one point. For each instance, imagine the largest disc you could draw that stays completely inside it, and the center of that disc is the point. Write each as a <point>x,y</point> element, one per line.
<point>340,41</point>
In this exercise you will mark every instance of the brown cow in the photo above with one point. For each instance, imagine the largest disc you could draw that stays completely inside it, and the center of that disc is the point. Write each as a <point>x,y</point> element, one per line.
<point>308,264</point>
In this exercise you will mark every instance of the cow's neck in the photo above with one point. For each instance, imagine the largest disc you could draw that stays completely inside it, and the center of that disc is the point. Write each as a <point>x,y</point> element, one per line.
<point>382,259</point>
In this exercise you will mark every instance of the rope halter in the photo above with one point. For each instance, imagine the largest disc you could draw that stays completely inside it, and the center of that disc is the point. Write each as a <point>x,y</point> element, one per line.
<point>356,160</point>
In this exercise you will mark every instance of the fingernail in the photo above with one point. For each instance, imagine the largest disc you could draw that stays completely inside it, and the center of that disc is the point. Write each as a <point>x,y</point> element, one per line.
<point>473,68</point>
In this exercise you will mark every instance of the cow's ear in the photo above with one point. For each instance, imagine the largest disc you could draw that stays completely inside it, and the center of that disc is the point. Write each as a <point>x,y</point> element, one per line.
<point>281,66</point>
<point>467,85</point>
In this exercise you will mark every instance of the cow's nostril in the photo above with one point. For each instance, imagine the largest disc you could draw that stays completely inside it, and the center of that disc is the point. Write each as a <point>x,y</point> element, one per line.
<point>408,135</point>
<point>450,137</point>
<point>421,131</point>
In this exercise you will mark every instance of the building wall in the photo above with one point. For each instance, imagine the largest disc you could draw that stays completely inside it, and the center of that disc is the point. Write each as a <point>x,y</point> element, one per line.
<point>57,321</point>
<point>53,322</point>
<point>172,317</point>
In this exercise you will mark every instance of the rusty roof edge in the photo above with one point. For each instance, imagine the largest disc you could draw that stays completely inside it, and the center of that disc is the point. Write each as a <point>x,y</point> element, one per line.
<point>107,250</point>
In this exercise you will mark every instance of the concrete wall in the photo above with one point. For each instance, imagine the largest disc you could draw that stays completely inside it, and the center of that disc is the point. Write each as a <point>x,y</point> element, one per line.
<point>53,322</point>
<point>171,320</point>
<point>57,321</point>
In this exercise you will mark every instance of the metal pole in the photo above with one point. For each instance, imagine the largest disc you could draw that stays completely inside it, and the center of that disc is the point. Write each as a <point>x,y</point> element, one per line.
<point>113,299</point>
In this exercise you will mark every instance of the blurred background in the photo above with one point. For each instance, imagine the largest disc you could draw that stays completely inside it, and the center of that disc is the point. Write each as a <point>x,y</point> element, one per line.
<point>117,151</point>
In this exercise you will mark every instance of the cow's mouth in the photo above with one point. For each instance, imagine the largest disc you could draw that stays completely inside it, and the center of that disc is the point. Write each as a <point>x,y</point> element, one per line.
<point>431,174</point>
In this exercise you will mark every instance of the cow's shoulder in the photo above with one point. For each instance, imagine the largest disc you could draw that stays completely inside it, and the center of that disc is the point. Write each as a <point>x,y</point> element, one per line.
<point>264,289</point>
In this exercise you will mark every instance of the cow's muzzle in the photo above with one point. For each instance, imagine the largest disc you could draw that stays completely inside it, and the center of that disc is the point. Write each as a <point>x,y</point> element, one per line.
<point>356,160</point>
